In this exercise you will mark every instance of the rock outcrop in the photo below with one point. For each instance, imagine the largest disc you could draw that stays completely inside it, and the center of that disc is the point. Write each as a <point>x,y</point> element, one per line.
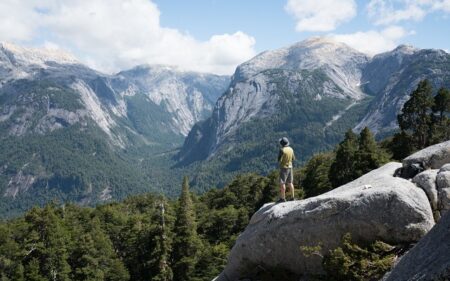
<point>432,157</point>
<point>429,259</point>
<point>427,181</point>
<point>377,206</point>
<point>435,179</point>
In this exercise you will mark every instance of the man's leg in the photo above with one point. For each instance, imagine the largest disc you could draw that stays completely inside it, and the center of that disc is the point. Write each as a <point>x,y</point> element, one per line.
<point>282,191</point>
<point>291,189</point>
<point>290,181</point>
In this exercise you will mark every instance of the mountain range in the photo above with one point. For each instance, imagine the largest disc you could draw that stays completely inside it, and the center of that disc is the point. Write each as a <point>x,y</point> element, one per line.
<point>311,92</point>
<point>71,133</point>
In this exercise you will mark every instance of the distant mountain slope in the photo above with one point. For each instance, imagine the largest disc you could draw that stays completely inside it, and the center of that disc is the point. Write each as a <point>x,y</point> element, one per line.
<point>311,92</point>
<point>392,76</point>
<point>70,133</point>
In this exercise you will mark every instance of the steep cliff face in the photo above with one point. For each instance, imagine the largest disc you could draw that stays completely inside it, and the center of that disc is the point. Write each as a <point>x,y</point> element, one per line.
<point>67,131</point>
<point>392,76</point>
<point>180,98</point>
<point>277,84</point>
<point>311,92</point>
<point>188,96</point>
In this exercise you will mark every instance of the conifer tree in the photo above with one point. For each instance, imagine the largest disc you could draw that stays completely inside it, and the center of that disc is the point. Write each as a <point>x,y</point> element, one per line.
<point>442,103</point>
<point>441,120</point>
<point>343,168</point>
<point>33,272</point>
<point>369,155</point>
<point>94,257</point>
<point>50,243</point>
<point>186,244</point>
<point>316,172</point>
<point>159,256</point>
<point>415,117</point>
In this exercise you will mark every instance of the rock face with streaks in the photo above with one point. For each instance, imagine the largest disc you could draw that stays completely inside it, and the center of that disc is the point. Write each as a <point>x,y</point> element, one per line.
<point>376,206</point>
<point>312,92</point>
<point>63,125</point>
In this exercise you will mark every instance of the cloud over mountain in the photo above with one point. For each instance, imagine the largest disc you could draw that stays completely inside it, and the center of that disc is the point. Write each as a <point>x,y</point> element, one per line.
<point>113,34</point>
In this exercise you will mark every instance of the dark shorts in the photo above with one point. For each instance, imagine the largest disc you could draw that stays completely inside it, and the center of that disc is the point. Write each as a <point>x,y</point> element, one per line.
<point>286,175</point>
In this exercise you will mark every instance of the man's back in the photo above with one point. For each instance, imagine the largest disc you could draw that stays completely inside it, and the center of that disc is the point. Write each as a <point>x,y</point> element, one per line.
<point>285,157</point>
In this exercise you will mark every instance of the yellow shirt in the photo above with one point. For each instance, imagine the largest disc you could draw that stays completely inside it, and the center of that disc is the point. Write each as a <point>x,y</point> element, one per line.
<point>285,157</point>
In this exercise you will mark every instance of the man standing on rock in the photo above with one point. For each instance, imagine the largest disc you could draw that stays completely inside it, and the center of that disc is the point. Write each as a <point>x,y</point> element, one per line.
<point>285,158</point>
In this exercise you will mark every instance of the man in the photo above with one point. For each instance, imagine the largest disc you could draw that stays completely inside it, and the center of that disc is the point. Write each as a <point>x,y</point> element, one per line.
<point>285,158</point>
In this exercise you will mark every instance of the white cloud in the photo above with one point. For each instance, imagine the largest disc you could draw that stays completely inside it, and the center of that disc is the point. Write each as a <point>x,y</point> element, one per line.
<point>116,34</point>
<point>17,20</point>
<point>324,15</point>
<point>443,5</point>
<point>387,12</point>
<point>373,42</point>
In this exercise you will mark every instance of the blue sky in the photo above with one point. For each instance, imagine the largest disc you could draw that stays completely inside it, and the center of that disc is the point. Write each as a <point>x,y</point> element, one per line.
<point>272,27</point>
<point>216,35</point>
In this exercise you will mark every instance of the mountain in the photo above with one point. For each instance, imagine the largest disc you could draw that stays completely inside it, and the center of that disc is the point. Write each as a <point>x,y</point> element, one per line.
<point>70,133</point>
<point>312,92</point>
<point>392,76</point>
<point>188,96</point>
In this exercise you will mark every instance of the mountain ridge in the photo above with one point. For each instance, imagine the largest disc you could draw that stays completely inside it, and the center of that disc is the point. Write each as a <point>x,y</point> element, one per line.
<point>322,86</point>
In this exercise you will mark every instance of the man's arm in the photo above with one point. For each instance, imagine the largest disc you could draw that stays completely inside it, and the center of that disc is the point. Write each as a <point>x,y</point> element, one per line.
<point>280,154</point>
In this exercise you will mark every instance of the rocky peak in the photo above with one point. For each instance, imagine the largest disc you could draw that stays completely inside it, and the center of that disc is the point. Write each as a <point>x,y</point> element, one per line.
<point>23,56</point>
<point>342,63</point>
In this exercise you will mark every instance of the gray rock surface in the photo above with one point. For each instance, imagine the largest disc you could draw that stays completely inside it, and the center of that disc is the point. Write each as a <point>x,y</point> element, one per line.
<point>377,206</point>
<point>427,181</point>
<point>443,185</point>
<point>432,157</point>
<point>444,168</point>
<point>429,259</point>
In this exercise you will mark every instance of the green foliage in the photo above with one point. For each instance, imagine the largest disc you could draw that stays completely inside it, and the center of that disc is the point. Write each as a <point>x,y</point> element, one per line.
<point>415,117</point>
<point>186,245</point>
<point>424,121</point>
<point>315,174</point>
<point>400,145</point>
<point>356,156</point>
<point>70,164</point>
<point>369,155</point>
<point>351,262</point>
<point>441,116</point>
<point>343,168</point>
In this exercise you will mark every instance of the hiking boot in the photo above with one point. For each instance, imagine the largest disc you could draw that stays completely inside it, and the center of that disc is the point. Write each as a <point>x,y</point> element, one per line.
<point>291,199</point>
<point>281,200</point>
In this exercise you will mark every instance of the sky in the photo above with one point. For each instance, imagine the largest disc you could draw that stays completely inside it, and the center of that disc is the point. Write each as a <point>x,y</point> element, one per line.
<point>215,35</point>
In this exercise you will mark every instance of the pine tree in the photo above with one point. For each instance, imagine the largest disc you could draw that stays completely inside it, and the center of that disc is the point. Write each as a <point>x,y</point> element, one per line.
<point>32,271</point>
<point>316,172</point>
<point>186,244</point>
<point>94,257</point>
<point>159,256</point>
<point>415,118</point>
<point>50,242</point>
<point>369,155</point>
<point>442,103</point>
<point>343,168</point>
<point>441,120</point>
